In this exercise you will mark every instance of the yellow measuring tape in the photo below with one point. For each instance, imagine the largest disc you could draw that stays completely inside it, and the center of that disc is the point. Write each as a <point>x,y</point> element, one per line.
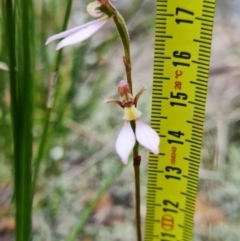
<point>181,68</point>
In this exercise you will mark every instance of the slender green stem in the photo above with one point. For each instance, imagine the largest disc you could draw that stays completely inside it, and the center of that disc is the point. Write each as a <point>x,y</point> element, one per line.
<point>85,214</point>
<point>41,149</point>
<point>122,30</point>
<point>64,26</point>
<point>123,33</point>
<point>136,164</point>
<point>50,101</point>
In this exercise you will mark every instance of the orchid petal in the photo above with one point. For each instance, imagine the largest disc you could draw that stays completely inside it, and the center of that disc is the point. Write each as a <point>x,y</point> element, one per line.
<point>147,137</point>
<point>83,33</point>
<point>139,94</point>
<point>73,30</point>
<point>107,101</point>
<point>68,32</point>
<point>125,142</point>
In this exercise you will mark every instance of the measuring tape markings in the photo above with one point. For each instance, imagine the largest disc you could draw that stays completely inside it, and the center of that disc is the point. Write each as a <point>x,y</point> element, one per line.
<point>173,175</point>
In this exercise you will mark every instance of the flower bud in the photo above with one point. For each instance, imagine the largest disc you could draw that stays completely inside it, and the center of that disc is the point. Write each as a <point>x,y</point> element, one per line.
<point>124,88</point>
<point>102,1</point>
<point>93,9</point>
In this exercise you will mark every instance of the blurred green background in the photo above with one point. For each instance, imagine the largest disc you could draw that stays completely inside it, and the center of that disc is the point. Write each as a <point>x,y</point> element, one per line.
<point>79,153</point>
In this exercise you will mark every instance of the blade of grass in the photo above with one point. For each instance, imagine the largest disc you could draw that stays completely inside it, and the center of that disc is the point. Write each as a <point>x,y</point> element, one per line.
<point>88,210</point>
<point>8,11</point>
<point>21,111</point>
<point>22,62</point>
<point>65,22</point>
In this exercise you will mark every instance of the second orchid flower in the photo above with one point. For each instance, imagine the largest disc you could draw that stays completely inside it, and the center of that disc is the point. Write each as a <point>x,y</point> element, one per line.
<point>144,134</point>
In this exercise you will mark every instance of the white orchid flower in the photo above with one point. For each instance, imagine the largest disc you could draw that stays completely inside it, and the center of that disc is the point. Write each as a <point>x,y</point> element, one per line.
<point>144,134</point>
<point>82,32</point>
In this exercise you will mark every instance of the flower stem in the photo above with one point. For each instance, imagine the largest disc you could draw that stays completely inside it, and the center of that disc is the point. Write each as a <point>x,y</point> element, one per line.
<point>123,33</point>
<point>110,10</point>
<point>136,165</point>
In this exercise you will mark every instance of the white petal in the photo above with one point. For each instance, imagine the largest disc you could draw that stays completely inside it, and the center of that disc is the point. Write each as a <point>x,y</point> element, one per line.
<point>68,32</point>
<point>125,142</point>
<point>147,137</point>
<point>73,30</point>
<point>83,33</point>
